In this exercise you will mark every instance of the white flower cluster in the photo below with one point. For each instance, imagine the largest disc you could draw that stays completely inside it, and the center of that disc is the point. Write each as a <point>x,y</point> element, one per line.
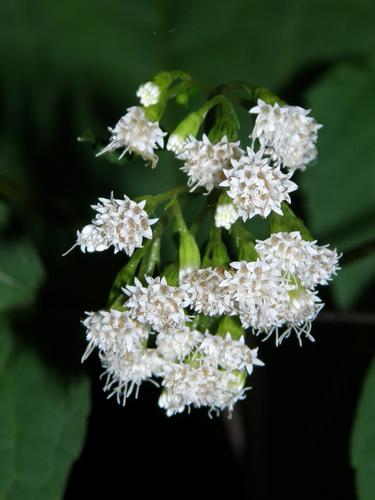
<point>195,369</point>
<point>274,294</point>
<point>189,338</point>
<point>136,134</point>
<point>253,179</point>
<point>286,133</point>
<point>312,264</point>
<point>119,223</point>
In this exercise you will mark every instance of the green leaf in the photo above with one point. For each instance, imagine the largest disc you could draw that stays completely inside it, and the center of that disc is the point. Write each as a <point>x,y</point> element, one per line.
<point>363,439</point>
<point>21,273</point>
<point>42,424</point>
<point>4,214</point>
<point>339,190</point>
<point>352,280</point>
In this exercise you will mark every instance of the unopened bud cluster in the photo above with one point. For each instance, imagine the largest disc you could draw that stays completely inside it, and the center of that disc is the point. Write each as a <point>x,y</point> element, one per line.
<point>185,325</point>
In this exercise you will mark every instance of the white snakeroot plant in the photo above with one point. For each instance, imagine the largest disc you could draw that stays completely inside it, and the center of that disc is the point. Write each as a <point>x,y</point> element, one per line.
<point>184,323</point>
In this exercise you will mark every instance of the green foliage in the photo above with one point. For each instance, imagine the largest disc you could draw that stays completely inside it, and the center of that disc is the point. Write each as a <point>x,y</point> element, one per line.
<point>363,439</point>
<point>21,273</point>
<point>339,191</point>
<point>4,215</point>
<point>42,423</point>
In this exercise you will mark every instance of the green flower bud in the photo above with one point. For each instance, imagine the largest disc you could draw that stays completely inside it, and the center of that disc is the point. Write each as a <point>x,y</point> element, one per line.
<point>188,127</point>
<point>189,254</point>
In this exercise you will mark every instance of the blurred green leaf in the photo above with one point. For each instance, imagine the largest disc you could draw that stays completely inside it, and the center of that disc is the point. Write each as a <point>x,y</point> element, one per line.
<point>352,280</point>
<point>363,439</point>
<point>21,273</point>
<point>284,38</point>
<point>42,424</point>
<point>4,214</point>
<point>339,190</point>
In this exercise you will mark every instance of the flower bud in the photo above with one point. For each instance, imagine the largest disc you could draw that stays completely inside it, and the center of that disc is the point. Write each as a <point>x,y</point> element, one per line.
<point>189,255</point>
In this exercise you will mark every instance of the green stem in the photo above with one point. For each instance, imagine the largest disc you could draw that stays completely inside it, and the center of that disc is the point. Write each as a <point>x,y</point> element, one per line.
<point>215,101</point>
<point>179,221</point>
<point>152,201</point>
<point>200,218</point>
<point>125,275</point>
<point>150,259</point>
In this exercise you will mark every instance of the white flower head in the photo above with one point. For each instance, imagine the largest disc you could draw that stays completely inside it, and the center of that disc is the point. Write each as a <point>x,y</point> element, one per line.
<point>312,264</point>
<point>125,372</point>
<point>113,331</point>
<point>148,94</point>
<point>303,307</point>
<point>119,223</point>
<point>136,134</point>
<point>175,345</point>
<point>255,187</point>
<point>230,354</point>
<point>200,385</point>
<point>205,162</point>
<point>158,304</point>
<point>206,293</point>
<point>225,215</point>
<point>286,133</point>
<point>261,292</point>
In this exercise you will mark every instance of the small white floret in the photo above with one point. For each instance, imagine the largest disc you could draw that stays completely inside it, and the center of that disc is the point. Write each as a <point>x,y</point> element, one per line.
<point>148,94</point>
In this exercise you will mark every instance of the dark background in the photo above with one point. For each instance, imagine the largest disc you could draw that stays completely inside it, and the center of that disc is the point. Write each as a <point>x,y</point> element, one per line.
<point>70,65</point>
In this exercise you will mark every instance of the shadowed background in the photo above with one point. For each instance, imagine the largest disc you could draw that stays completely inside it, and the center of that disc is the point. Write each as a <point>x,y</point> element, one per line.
<point>70,65</point>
